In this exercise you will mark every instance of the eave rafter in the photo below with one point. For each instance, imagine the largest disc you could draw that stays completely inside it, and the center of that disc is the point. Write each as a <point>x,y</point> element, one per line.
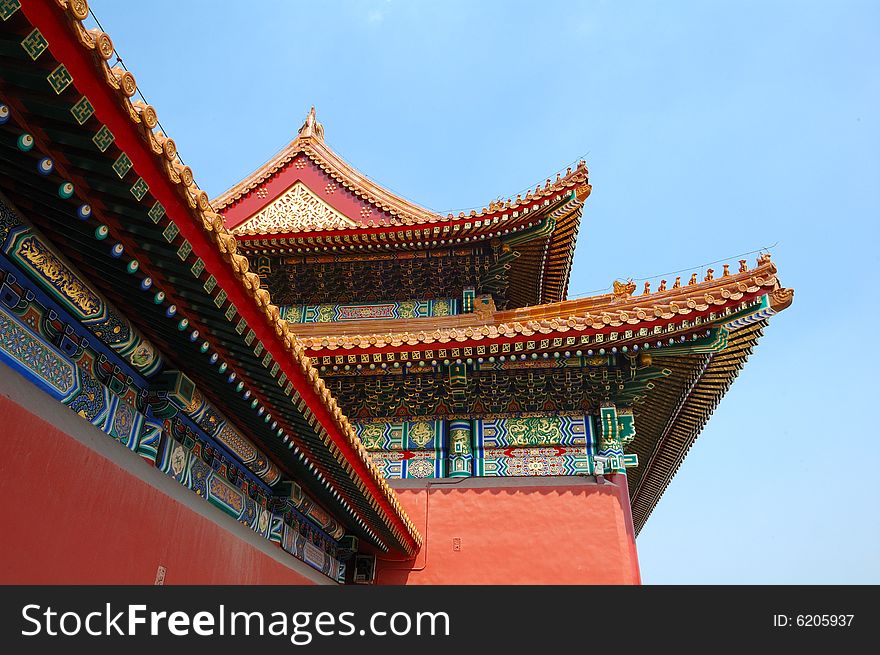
<point>149,163</point>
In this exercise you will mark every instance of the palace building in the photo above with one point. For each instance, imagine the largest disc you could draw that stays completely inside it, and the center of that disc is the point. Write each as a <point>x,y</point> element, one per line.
<point>310,379</point>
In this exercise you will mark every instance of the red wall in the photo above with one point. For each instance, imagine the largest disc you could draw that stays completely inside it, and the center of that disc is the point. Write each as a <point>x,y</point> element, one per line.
<point>73,516</point>
<point>575,532</point>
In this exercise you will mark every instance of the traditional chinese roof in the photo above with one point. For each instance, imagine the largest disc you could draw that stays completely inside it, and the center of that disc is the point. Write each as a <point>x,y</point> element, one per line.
<point>147,220</point>
<point>132,218</point>
<point>607,312</point>
<point>307,199</point>
<point>673,354</point>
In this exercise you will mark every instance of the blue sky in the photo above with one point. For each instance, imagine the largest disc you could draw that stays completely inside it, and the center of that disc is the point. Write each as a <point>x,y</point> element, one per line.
<point>710,129</point>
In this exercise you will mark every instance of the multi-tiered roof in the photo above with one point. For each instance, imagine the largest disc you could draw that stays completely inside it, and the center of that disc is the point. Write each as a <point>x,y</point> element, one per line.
<point>307,201</point>
<point>671,353</point>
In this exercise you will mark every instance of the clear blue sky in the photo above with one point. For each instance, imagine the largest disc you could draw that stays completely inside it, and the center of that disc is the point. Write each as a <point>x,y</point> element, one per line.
<point>710,129</point>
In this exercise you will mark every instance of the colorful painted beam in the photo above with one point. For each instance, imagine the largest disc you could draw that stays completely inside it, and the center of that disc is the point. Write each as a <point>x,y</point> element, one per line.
<point>158,178</point>
<point>327,313</point>
<point>43,263</point>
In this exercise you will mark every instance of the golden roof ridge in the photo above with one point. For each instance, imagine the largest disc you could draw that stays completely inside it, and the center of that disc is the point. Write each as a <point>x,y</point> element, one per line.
<point>597,312</point>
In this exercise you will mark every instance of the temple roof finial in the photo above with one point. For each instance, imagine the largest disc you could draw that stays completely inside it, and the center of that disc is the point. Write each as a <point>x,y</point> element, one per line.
<point>312,128</point>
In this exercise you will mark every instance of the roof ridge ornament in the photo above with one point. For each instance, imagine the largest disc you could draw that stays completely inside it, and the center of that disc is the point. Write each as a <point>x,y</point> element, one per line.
<point>623,290</point>
<point>312,129</point>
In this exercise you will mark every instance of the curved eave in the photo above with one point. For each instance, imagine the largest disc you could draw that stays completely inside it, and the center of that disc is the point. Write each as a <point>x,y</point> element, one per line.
<point>675,412</point>
<point>404,215</point>
<point>440,232</point>
<point>153,163</point>
<point>541,273</point>
<point>670,419</point>
<point>673,409</point>
<point>572,318</point>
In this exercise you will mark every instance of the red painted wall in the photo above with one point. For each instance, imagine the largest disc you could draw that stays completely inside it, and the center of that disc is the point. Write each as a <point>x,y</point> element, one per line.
<point>72,516</point>
<point>76,517</point>
<point>574,533</point>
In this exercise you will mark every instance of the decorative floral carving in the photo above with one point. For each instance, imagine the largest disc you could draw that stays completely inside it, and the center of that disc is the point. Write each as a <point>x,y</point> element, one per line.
<point>296,209</point>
